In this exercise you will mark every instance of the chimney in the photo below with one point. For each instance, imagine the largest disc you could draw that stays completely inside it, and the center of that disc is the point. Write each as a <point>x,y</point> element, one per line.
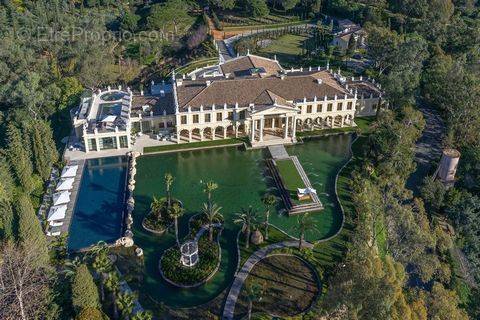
<point>141,92</point>
<point>319,81</point>
<point>162,93</point>
<point>208,82</point>
<point>282,76</point>
<point>194,76</point>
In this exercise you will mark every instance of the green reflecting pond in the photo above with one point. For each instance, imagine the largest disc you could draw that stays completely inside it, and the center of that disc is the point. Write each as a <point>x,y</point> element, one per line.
<point>243,179</point>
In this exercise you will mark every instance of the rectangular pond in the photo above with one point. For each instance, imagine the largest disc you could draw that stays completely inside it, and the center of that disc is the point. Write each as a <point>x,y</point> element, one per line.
<point>100,202</point>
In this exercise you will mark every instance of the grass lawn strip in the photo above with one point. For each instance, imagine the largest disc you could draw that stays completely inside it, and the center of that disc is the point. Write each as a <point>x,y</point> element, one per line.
<point>193,145</point>
<point>291,179</point>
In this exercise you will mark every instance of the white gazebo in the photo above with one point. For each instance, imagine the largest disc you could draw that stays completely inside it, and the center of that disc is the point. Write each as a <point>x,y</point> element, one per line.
<point>57,213</point>
<point>65,184</point>
<point>69,171</point>
<point>189,252</point>
<point>62,197</point>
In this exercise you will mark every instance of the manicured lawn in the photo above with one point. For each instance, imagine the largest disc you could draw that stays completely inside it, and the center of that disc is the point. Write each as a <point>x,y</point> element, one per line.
<point>290,176</point>
<point>193,145</point>
<point>287,48</point>
<point>288,287</point>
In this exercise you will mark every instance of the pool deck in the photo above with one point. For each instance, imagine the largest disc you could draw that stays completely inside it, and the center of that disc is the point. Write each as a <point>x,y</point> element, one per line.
<point>73,196</point>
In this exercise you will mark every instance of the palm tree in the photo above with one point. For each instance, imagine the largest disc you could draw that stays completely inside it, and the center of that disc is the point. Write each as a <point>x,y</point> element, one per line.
<point>156,207</point>
<point>126,302</point>
<point>70,267</point>
<point>269,200</point>
<point>304,223</point>
<point>143,315</point>
<point>248,217</point>
<point>208,188</point>
<point>212,213</point>
<point>102,265</point>
<point>176,212</point>
<point>168,186</point>
<point>97,249</point>
<point>254,291</point>
<point>112,283</point>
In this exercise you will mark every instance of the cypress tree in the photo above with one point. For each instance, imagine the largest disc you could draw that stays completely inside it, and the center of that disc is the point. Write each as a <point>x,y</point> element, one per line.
<point>6,221</point>
<point>19,158</point>
<point>6,195</point>
<point>43,150</point>
<point>29,231</point>
<point>39,158</point>
<point>84,290</point>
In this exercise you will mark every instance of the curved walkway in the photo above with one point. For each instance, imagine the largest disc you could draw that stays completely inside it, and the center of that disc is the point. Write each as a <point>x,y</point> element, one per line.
<point>204,228</point>
<point>241,276</point>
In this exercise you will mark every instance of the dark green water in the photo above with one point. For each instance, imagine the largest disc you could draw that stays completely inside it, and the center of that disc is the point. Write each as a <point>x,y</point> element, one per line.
<point>243,180</point>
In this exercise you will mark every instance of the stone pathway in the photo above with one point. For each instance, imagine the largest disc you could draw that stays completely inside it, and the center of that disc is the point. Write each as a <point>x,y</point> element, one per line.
<point>278,152</point>
<point>241,276</point>
<point>205,228</point>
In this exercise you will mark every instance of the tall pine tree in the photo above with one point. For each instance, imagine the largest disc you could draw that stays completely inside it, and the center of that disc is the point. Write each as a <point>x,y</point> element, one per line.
<point>19,158</point>
<point>29,231</point>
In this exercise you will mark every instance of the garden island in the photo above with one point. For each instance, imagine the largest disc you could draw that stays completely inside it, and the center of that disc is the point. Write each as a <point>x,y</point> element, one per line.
<point>239,159</point>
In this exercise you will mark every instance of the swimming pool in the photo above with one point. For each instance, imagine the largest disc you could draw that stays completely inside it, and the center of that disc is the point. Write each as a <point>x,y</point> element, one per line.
<point>107,109</point>
<point>99,208</point>
<point>242,181</point>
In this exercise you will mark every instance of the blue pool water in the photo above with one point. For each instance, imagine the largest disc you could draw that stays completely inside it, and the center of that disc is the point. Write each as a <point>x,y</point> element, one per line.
<point>98,211</point>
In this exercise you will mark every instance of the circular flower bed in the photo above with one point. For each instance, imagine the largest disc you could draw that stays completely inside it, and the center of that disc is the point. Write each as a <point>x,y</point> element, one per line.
<point>158,223</point>
<point>174,272</point>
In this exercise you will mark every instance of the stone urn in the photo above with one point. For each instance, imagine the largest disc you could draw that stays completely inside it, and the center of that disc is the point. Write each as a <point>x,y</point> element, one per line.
<point>256,237</point>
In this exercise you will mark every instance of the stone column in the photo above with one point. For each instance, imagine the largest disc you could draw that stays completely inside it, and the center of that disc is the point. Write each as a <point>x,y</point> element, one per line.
<point>285,134</point>
<point>97,142</point>
<point>178,134</point>
<point>294,127</point>
<point>117,140</point>
<point>201,135</point>
<point>252,131</point>
<point>189,136</point>
<point>273,123</point>
<point>261,129</point>
<point>236,130</point>
<point>224,133</point>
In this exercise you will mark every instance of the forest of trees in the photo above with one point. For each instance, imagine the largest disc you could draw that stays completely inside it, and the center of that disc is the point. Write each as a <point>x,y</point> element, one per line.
<point>400,263</point>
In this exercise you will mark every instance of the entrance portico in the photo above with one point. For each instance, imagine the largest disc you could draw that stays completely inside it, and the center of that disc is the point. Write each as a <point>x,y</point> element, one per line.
<point>272,125</point>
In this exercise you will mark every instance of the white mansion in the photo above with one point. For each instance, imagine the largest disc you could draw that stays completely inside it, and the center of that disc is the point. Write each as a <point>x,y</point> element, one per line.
<point>246,96</point>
